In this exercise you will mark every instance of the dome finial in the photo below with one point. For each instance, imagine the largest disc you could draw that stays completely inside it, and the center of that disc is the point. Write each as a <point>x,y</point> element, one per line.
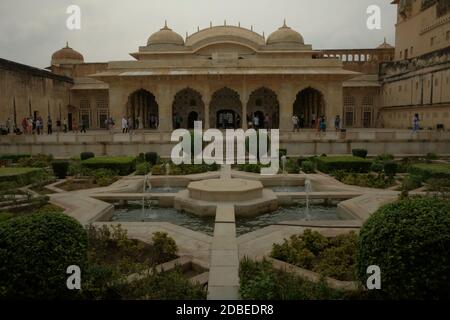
<point>239,24</point>
<point>165,24</point>
<point>284,23</point>
<point>225,22</point>
<point>210,24</point>
<point>67,45</point>
<point>264,35</point>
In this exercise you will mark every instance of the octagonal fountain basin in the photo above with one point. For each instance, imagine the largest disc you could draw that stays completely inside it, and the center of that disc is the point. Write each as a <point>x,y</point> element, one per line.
<point>248,196</point>
<point>134,213</point>
<point>225,190</point>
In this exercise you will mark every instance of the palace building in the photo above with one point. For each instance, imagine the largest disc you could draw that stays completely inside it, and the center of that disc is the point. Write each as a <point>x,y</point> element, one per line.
<point>227,75</point>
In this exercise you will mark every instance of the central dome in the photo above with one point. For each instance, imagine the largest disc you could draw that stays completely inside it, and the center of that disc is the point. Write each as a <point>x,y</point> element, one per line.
<point>285,35</point>
<point>165,36</point>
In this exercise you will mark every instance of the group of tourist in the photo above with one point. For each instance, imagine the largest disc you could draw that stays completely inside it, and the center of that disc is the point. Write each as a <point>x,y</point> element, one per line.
<point>128,124</point>
<point>320,125</point>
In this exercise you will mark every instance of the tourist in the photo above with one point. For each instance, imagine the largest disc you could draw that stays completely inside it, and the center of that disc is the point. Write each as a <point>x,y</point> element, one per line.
<point>136,123</point>
<point>83,126</point>
<point>415,124</point>
<point>58,125</point>
<point>295,123</point>
<point>74,126</point>
<point>313,120</point>
<point>37,125</point>
<point>30,125</point>
<point>238,122</point>
<point>266,121</point>
<point>25,125</point>
<point>106,124</point>
<point>256,121</point>
<point>65,125</point>
<point>8,125</point>
<point>49,125</point>
<point>124,125</point>
<point>337,123</point>
<point>322,124</point>
<point>130,124</point>
<point>302,121</point>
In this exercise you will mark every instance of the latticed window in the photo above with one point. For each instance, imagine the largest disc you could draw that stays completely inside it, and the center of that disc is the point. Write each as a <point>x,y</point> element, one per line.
<point>367,111</point>
<point>349,111</point>
<point>84,103</point>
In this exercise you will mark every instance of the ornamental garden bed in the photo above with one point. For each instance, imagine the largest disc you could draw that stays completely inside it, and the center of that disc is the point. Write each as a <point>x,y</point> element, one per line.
<point>121,165</point>
<point>19,177</point>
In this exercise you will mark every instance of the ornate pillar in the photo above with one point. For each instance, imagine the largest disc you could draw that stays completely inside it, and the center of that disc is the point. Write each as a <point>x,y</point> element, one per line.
<point>286,99</point>
<point>164,99</point>
<point>334,102</point>
<point>245,98</point>
<point>118,100</point>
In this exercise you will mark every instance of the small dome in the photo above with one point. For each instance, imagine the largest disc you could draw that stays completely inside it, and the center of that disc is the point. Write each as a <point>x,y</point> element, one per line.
<point>385,45</point>
<point>67,56</point>
<point>165,36</point>
<point>285,35</point>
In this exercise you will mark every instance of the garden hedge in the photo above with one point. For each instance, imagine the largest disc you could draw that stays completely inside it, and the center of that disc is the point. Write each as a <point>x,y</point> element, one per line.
<point>86,155</point>
<point>347,163</point>
<point>20,176</point>
<point>35,253</point>
<point>14,157</point>
<point>60,168</point>
<point>409,240</point>
<point>151,157</point>
<point>430,170</point>
<point>361,153</point>
<point>122,165</point>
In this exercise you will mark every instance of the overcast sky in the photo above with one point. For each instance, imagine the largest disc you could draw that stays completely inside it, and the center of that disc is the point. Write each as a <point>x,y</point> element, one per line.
<point>30,31</point>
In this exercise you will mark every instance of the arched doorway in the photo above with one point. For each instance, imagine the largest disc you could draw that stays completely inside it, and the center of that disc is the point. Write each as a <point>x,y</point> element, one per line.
<point>187,107</point>
<point>225,109</point>
<point>192,117</point>
<point>309,106</point>
<point>264,103</point>
<point>143,110</point>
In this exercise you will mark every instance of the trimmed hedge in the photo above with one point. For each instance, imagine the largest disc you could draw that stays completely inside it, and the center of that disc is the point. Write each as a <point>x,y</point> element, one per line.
<point>60,168</point>
<point>430,170</point>
<point>361,153</point>
<point>121,165</point>
<point>35,253</point>
<point>86,155</point>
<point>409,241</point>
<point>14,157</point>
<point>151,157</point>
<point>347,163</point>
<point>20,176</point>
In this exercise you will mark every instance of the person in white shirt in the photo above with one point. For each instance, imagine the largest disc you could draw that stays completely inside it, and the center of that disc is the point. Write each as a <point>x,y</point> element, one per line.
<point>295,123</point>
<point>124,125</point>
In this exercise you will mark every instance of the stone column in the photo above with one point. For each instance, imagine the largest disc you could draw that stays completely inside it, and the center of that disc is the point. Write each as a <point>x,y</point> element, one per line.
<point>118,99</point>
<point>286,100</point>
<point>334,103</point>
<point>244,98</point>
<point>164,99</point>
<point>206,124</point>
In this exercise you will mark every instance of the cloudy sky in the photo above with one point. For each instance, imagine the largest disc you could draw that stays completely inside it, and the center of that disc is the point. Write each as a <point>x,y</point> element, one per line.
<point>30,31</point>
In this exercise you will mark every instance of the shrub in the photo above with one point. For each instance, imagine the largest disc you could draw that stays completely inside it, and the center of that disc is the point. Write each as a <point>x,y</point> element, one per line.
<point>390,168</point>
<point>353,164</point>
<point>36,161</point>
<point>439,185</point>
<point>14,157</point>
<point>332,257</point>
<point>430,170</point>
<point>140,158</point>
<point>122,165</point>
<point>104,177</point>
<point>78,170</point>
<point>282,152</point>
<point>411,182</point>
<point>361,153</point>
<point>18,177</point>
<point>409,241</point>
<point>143,168</point>
<point>260,281</point>
<point>431,156</point>
<point>86,155</point>
<point>165,247</point>
<point>35,253</point>
<point>292,166</point>
<point>384,157</point>
<point>308,167</point>
<point>60,168</point>
<point>377,166</point>
<point>151,157</point>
